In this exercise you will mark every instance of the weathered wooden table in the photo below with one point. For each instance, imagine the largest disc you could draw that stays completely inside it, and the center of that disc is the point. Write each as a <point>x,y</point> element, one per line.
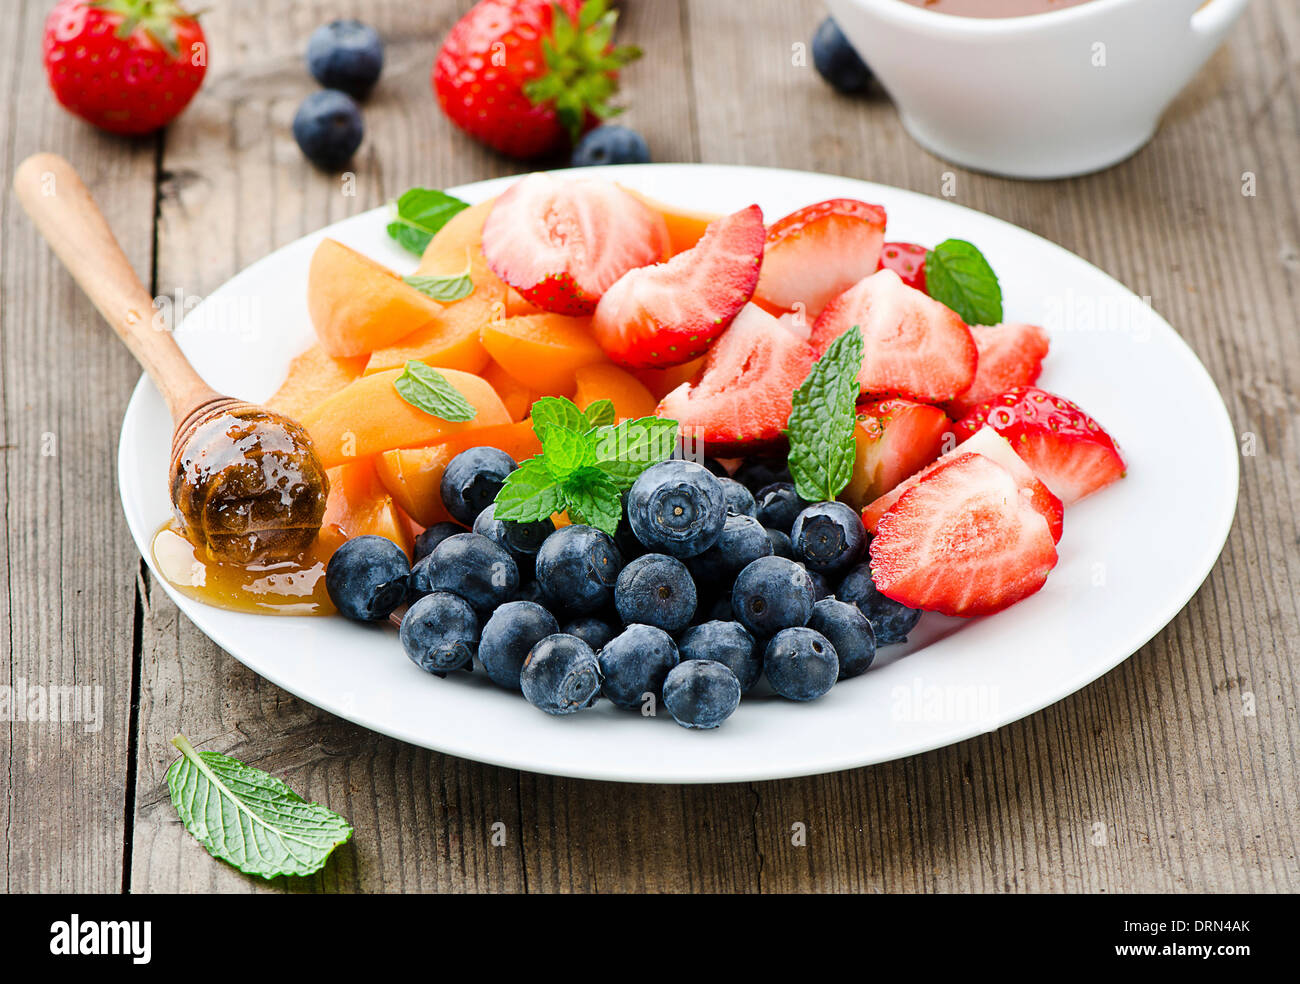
<point>1180,770</point>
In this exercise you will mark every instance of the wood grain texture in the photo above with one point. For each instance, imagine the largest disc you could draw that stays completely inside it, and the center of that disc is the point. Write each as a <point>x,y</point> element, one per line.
<point>1154,778</point>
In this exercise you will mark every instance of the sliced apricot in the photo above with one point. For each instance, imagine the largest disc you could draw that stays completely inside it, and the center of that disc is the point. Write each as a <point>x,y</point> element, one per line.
<point>368,416</point>
<point>313,376</point>
<point>602,381</point>
<point>661,382</point>
<point>684,226</point>
<point>542,351</point>
<point>358,305</point>
<point>517,397</point>
<point>449,341</point>
<point>413,476</point>
<point>461,235</point>
<point>359,505</point>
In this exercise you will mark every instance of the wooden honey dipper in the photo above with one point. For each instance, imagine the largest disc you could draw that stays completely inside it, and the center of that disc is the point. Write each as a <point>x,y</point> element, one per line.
<point>245,481</point>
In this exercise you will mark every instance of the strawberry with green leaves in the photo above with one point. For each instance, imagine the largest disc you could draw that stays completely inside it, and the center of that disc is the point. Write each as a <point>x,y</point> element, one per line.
<point>127,66</point>
<point>529,77</point>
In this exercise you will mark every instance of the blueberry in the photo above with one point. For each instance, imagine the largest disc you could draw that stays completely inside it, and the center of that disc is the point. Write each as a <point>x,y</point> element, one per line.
<point>727,642</point>
<point>469,565</point>
<point>677,507</point>
<point>743,540</point>
<point>577,568</point>
<point>701,693</point>
<point>610,144</point>
<point>778,506</point>
<point>801,663</point>
<point>720,610</point>
<point>346,55</point>
<point>440,633</point>
<point>829,537</point>
<point>521,540</point>
<point>531,591</point>
<point>821,586</point>
<point>772,594</point>
<point>740,501</point>
<point>781,545</point>
<point>849,632</point>
<point>624,538</point>
<point>472,480</point>
<point>595,632</point>
<point>635,662</point>
<point>891,620</point>
<point>328,128</point>
<point>509,635</point>
<point>756,473</point>
<point>367,578</point>
<point>837,61</point>
<point>560,675</point>
<point>657,590</point>
<point>434,535</point>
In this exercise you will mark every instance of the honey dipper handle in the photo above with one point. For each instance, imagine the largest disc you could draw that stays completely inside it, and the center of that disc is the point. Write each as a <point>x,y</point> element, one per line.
<point>67,216</point>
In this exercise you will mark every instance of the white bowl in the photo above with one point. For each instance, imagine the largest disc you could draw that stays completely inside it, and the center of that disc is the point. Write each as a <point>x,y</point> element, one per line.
<point>1041,96</point>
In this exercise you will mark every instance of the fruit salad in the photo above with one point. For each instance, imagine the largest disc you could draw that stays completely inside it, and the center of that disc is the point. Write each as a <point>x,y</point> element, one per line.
<point>597,446</point>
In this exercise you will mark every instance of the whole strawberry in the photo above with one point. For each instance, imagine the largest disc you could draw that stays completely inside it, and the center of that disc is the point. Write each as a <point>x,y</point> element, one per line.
<point>127,66</point>
<point>529,77</point>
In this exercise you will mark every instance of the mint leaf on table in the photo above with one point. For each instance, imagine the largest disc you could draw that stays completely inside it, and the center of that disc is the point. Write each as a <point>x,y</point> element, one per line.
<point>428,390</point>
<point>418,214</point>
<point>442,289</point>
<point>248,817</point>
<point>586,463</point>
<point>822,419</point>
<point>957,275</point>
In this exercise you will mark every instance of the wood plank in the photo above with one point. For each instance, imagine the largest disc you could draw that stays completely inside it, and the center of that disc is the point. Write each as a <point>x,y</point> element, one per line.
<point>68,564</point>
<point>1194,794</point>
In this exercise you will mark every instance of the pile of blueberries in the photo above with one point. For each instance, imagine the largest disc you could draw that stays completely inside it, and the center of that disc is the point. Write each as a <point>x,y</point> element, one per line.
<point>705,587</point>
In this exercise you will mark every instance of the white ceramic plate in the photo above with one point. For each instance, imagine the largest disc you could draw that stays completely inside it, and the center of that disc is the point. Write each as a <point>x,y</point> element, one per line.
<point>1131,556</point>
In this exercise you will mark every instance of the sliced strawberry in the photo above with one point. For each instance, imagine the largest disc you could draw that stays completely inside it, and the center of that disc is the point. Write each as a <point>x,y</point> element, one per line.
<point>995,447</point>
<point>819,252</point>
<point>1011,355</point>
<point>964,541</point>
<point>1065,447</point>
<point>562,243</point>
<point>741,401</point>
<point>907,260</point>
<point>914,346</point>
<point>670,313</point>
<point>895,438</point>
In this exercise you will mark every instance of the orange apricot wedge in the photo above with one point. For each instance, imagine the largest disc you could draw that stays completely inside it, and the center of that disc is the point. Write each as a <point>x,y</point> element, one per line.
<point>312,377</point>
<point>368,417</point>
<point>661,382</point>
<point>359,505</point>
<point>517,397</point>
<point>684,226</point>
<point>602,381</point>
<point>542,351</point>
<point>358,305</point>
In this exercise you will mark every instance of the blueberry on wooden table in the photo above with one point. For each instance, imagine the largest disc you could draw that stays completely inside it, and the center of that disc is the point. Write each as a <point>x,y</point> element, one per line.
<point>829,537</point>
<point>677,507</point>
<point>657,590</point>
<point>801,663</point>
<point>891,620</point>
<point>701,693</point>
<point>772,594</point>
<point>849,632</point>
<point>472,480</point>
<point>440,633</point>
<point>635,662</point>
<point>577,568</point>
<point>560,675</point>
<point>509,635</point>
<point>610,144</point>
<point>346,55</point>
<point>328,128</point>
<point>837,61</point>
<point>728,643</point>
<point>366,578</point>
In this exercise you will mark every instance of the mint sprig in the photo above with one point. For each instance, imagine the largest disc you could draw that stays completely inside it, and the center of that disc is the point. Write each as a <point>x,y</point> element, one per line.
<point>428,390</point>
<point>441,289</point>
<point>419,213</point>
<point>822,447</point>
<point>587,462</point>
<point>956,274</point>
<point>250,818</point>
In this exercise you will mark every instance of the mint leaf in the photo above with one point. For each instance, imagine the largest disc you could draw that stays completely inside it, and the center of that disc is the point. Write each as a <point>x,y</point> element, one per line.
<point>556,411</point>
<point>530,493</point>
<point>599,413</point>
<point>625,450</point>
<point>248,817</point>
<point>428,390</point>
<point>444,289</point>
<point>418,214</point>
<point>565,451</point>
<point>593,499</point>
<point>822,448</point>
<point>956,274</point>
